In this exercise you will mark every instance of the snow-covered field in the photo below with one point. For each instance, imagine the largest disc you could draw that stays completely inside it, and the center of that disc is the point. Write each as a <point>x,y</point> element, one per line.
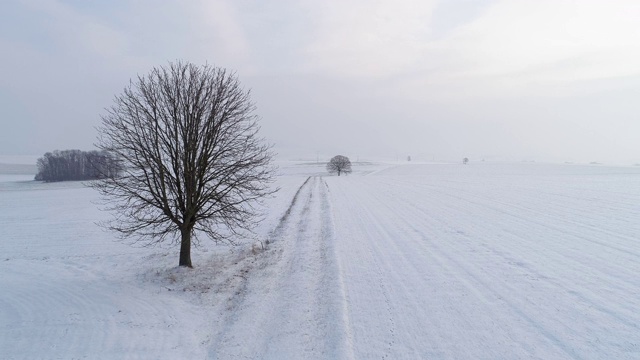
<point>434,261</point>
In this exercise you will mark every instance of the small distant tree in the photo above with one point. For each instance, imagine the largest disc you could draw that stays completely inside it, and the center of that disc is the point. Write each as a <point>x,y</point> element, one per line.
<point>192,161</point>
<point>465,161</point>
<point>339,164</point>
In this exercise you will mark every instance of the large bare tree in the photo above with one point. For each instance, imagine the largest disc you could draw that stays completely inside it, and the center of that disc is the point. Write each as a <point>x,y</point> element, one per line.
<point>339,164</point>
<point>191,160</point>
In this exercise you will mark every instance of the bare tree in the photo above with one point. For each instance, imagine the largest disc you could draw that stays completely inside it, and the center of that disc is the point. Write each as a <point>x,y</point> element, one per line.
<point>339,164</point>
<point>191,160</point>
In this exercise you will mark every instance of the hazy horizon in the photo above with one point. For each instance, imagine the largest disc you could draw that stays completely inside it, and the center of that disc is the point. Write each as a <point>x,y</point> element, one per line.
<point>544,81</point>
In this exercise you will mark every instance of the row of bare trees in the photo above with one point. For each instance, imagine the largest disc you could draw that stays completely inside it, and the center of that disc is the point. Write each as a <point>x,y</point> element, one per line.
<point>65,165</point>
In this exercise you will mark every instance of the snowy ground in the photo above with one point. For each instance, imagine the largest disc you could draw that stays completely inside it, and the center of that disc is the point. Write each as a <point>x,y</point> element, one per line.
<point>436,261</point>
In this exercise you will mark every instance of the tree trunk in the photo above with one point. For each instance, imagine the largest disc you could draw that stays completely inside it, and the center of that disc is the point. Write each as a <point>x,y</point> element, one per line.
<point>185,248</point>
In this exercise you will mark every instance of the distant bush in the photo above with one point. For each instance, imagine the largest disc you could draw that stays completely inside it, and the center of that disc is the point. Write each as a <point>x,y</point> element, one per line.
<point>69,165</point>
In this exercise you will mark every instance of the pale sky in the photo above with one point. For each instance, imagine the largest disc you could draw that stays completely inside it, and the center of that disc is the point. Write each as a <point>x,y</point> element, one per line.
<point>543,80</point>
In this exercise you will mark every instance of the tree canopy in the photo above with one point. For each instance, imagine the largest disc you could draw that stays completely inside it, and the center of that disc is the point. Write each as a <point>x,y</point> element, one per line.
<point>339,164</point>
<point>192,161</point>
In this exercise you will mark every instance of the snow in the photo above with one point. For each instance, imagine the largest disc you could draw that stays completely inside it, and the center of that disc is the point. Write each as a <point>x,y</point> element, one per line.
<point>492,261</point>
<point>438,261</point>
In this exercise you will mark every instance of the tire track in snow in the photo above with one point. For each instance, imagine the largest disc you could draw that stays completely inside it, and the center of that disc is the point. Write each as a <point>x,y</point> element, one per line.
<point>334,272</point>
<point>237,304</point>
<point>293,304</point>
<point>287,213</point>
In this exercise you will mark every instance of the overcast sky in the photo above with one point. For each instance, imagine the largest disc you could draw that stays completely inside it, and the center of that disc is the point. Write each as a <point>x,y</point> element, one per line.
<point>543,80</point>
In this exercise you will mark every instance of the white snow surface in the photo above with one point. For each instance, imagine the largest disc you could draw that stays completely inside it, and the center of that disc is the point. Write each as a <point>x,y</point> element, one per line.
<point>394,261</point>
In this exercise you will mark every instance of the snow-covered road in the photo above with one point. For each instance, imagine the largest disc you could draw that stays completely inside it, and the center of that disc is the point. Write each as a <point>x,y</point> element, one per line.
<point>293,305</point>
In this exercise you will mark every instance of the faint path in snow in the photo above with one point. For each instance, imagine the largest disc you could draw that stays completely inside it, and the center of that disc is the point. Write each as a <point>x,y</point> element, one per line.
<point>292,306</point>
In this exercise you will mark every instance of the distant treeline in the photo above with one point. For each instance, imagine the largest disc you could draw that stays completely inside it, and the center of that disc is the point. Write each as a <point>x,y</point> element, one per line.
<point>76,165</point>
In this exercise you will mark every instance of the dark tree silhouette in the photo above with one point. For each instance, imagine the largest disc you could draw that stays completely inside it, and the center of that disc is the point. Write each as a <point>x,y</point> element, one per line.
<point>339,164</point>
<point>465,161</point>
<point>75,165</point>
<point>192,161</point>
